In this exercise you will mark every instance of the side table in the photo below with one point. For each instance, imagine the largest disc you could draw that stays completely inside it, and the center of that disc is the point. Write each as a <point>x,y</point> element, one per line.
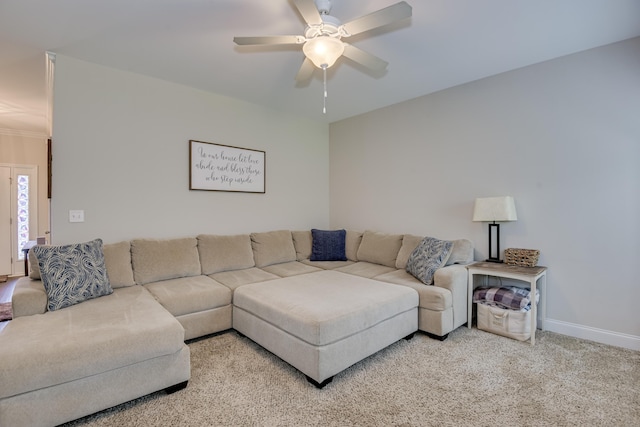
<point>530,275</point>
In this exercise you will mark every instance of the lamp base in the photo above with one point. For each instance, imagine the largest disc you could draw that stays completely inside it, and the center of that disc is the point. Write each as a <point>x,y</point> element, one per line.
<point>494,237</point>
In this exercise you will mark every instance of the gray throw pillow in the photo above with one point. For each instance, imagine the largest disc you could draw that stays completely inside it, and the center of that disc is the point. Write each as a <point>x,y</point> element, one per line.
<point>73,273</point>
<point>430,255</point>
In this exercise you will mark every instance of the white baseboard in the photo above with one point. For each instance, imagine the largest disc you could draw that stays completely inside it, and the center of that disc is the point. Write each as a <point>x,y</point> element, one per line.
<point>617,339</point>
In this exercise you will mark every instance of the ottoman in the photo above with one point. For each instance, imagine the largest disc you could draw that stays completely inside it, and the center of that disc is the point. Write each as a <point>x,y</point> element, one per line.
<point>323,322</point>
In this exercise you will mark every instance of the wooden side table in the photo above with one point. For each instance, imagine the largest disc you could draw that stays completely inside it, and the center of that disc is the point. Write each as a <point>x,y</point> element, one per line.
<point>530,275</point>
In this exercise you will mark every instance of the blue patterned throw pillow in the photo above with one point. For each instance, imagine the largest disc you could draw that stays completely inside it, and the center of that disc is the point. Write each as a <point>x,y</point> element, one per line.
<point>73,273</point>
<point>430,255</point>
<point>328,245</point>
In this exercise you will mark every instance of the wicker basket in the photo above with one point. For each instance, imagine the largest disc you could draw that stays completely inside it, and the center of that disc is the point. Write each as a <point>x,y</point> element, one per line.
<point>521,257</point>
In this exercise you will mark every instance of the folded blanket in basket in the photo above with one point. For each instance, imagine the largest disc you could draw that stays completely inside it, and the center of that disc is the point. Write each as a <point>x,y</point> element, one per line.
<point>509,297</point>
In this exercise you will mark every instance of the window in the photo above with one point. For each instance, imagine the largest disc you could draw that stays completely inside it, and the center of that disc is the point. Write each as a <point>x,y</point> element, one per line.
<point>23,213</point>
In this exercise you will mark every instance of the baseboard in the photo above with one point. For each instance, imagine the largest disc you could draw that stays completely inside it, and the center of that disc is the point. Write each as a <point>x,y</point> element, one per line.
<point>617,339</point>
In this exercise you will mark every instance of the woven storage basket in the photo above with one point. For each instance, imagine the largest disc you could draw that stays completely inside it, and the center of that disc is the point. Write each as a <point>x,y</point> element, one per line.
<point>521,257</point>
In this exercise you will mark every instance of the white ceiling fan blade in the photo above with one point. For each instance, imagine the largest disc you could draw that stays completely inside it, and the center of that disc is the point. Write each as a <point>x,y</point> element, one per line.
<point>364,58</point>
<point>379,18</point>
<point>306,70</point>
<point>309,12</point>
<point>268,40</point>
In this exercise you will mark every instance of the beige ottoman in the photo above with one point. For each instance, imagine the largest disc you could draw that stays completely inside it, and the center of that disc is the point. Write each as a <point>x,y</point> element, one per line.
<point>321,323</point>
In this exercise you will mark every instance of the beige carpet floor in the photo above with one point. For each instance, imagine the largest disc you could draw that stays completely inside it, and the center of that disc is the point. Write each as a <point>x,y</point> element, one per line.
<point>474,378</point>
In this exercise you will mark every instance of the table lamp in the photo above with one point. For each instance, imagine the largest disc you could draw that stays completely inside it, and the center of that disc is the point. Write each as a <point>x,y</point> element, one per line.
<point>494,209</point>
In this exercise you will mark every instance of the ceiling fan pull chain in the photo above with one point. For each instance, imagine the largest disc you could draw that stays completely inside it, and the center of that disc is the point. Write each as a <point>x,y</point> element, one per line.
<point>324,100</point>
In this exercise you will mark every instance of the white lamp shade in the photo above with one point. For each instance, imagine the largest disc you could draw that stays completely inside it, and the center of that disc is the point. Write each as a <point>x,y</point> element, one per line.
<point>495,209</point>
<point>323,51</point>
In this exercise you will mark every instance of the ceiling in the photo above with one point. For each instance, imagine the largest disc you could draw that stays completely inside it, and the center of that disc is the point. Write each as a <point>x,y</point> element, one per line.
<point>190,42</point>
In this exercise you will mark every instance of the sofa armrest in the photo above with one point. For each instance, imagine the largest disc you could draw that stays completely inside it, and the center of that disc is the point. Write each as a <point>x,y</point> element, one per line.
<point>454,278</point>
<point>29,297</point>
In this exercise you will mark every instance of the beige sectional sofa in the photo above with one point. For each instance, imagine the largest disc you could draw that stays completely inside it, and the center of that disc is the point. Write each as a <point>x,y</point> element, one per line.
<point>64,364</point>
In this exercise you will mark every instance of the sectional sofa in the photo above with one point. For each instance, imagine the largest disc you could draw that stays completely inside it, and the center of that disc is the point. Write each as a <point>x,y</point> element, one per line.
<point>319,316</point>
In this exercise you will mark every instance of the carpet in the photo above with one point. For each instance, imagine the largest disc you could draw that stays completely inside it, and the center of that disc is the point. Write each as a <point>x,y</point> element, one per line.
<point>474,378</point>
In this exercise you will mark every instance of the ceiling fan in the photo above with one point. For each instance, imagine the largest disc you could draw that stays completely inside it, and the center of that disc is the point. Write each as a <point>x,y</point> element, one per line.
<point>322,40</point>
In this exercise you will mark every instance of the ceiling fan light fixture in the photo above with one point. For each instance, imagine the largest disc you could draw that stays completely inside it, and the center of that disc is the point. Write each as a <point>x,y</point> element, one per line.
<point>323,51</point>
<point>321,43</point>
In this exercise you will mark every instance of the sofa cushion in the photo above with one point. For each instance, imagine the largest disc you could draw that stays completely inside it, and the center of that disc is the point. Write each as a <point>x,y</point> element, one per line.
<point>461,253</point>
<point>431,297</point>
<point>328,245</point>
<point>352,244</point>
<point>117,259</point>
<point>380,248</point>
<point>224,253</point>
<point>328,265</point>
<point>409,243</point>
<point>293,268</point>
<point>236,278</point>
<point>99,335</point>
<point>186,295</point>
<point>365,269</point>
<point>430,255</point>
<point>72,273</point>
<point>272,247</point>
<point>302,243</point>
<point>154,260</point>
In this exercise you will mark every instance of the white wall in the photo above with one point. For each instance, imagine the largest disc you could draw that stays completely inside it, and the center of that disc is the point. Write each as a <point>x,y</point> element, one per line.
<point>562,137</point>
<point>120,153</point>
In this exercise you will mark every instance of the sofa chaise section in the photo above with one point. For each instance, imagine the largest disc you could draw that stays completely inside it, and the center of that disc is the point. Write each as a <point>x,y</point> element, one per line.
<point>68,363</point>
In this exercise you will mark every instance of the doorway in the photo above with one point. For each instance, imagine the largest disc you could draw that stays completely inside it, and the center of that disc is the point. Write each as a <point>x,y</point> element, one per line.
<point>18,214</point>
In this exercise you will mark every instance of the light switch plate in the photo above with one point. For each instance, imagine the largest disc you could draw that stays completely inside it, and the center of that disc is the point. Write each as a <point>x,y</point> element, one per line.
<point>76,216</point>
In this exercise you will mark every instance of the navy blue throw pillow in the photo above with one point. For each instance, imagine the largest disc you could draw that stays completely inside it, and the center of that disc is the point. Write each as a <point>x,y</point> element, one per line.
<point>328,245</point>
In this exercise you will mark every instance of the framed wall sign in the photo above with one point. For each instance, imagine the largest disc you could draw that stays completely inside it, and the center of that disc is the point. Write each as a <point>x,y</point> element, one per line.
<point>217,167</point>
